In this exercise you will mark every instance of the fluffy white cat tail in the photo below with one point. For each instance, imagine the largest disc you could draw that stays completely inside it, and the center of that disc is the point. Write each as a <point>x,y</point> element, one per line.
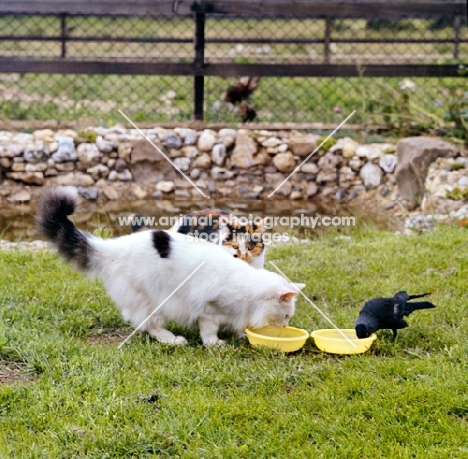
<point>52,219</point>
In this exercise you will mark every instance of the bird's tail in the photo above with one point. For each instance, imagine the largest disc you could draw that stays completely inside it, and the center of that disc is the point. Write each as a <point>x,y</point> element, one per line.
<point>412,297</point>
<point>52,218</point>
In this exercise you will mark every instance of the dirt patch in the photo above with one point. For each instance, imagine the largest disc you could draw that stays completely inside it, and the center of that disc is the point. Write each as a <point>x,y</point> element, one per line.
<point>15,373</point>
<point>105,336</point>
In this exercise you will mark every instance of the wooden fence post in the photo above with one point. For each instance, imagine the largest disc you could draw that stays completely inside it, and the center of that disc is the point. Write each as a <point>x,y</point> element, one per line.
<point>63,34</point>
<point>456,38</point>
<point>326,40</point>
<point>199,61</point>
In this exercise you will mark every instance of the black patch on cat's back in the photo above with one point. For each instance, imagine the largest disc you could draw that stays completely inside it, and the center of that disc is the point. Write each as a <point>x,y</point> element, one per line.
<point>162,243</point>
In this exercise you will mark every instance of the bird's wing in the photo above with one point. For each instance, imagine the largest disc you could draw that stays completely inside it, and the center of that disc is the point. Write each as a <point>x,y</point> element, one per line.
<point>381,308</point>
<point>411,307</point>
<point>399,309</point>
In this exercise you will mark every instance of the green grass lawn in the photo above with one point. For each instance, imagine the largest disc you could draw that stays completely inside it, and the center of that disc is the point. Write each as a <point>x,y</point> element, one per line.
<point>81,396</point>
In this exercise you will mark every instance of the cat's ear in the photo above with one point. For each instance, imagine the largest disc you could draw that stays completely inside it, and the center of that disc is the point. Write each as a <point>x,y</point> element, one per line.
<point>259,226</point>
<point>287,296</point>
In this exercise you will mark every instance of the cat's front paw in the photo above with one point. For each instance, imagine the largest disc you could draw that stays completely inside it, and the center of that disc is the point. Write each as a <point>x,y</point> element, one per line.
<point>167,337</point>
<point>240,335</point>
<point>180,341</point>
<point>214,342</point>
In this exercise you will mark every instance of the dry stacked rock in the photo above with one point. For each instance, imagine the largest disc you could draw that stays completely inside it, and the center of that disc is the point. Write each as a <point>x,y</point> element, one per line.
<point>118,163</point>
<point>447,188</point>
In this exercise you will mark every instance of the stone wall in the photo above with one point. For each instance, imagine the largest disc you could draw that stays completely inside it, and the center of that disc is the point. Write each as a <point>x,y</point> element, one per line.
<point>117,163</point>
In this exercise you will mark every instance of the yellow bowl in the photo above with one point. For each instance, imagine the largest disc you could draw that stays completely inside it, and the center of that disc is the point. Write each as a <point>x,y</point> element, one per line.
<point>284,339</point>
<point>333,342</point>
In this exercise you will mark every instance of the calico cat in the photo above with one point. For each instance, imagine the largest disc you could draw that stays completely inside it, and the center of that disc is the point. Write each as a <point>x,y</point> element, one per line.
<point>142,273</point>
<point>243,241</point>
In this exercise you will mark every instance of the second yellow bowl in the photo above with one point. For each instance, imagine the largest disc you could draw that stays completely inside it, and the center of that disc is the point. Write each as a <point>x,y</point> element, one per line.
<point>333,342</point>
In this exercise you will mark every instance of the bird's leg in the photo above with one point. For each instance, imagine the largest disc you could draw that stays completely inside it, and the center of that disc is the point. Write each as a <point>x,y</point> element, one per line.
<point>395,332</point>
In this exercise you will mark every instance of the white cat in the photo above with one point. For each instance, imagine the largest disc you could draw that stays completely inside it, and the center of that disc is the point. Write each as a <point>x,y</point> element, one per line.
<point>141,270</point>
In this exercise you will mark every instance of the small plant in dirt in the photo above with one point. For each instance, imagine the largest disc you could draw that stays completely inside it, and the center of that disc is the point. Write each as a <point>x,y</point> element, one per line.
<point>103,232</point>
<point>328,143</point>
<point>396,108</point>
<point>88,136</point>
<point>457,113</point>
<point>457,193</point>
<point>457,166</point>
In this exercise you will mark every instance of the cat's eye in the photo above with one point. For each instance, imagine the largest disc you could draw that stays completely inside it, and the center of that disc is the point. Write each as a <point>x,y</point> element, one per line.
<point>235,247</point>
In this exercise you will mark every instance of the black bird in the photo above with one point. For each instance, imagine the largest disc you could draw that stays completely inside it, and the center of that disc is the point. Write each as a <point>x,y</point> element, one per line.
<point>388,313</point>
<point>241,89</point>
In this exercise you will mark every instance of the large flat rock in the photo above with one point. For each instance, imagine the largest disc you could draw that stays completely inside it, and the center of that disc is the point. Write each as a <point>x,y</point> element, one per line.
<point>148,165</point>
<point>414,156</point>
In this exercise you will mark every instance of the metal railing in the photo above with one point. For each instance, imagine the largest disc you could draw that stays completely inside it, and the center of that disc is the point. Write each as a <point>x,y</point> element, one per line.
<point>224,38</point>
